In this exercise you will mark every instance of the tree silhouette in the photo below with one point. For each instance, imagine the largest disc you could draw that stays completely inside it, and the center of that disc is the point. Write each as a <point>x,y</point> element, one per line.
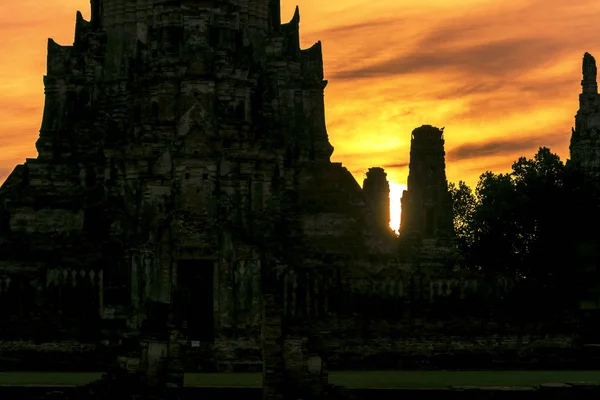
<point>528,224</point>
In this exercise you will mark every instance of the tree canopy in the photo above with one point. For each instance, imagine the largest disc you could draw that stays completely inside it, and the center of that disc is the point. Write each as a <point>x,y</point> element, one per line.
<point>528,223</point>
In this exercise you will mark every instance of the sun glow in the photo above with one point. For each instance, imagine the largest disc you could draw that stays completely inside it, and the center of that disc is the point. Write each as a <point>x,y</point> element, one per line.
<point>395,195</point>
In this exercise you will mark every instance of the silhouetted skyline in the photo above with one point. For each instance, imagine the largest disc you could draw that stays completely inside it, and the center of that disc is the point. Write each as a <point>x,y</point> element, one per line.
<point>503,79</point>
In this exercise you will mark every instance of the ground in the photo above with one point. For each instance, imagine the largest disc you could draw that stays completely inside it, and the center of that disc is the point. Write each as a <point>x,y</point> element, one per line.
<point>354,379</point>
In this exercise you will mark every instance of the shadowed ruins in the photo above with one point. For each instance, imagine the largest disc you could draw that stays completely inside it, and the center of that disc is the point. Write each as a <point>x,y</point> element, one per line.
<point>183,207</point>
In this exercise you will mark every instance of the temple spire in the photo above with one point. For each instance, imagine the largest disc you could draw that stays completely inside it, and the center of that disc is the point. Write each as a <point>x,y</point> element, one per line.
<point>377,189</point>
<point>275,14</point>
<point>296,17</point>
<point>427,204</point>
<point>590,72</point>
<point>96,13</point>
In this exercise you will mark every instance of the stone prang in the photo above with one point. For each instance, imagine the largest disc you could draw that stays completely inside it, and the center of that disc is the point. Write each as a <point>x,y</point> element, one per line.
<point>377,190</point>
<point>183,166</point>
<point>585,137</point>
<point>427,216</point>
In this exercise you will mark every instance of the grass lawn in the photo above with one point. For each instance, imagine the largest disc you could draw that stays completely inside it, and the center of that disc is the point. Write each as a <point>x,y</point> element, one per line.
<point>356,379</point>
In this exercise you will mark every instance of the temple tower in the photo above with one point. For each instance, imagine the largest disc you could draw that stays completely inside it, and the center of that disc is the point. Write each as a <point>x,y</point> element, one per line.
<point>426,226</point>
<point>377,189</point>
<point>585,138</point>
<point>175,148</point>
<point>585,155</point>
<point>427,204</point>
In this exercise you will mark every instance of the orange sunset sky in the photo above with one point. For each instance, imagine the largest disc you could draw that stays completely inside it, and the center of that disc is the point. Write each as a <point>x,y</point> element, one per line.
<point>503,77</point>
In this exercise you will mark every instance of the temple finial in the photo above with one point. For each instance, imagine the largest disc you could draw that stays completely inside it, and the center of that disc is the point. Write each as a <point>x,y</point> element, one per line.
<point>296,17</point>
<point>590,72</point>
<point>275,14</point>
<point>96,13</point>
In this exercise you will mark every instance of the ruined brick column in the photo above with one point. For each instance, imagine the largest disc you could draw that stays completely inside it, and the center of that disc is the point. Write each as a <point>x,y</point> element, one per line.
<point>271,330</point>
<point>175,369</point>
<point>155,347</point>
<point>427,203</point>
<point>306,376</point>
<point>585,137</point>
<point>159,368</point>
<point>305,372</point>
<point>377,190</point>
<point>585,157</point>
<point>272,347</point>
<point>426,229</point>
<point>291,349</point>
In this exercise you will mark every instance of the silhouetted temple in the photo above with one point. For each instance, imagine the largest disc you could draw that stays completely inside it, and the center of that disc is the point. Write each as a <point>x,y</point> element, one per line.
<point>377,191</point>
<point>585,138</point>
<point>427,219</point>
<point>427,204</point>
<point>183,196</point>
<point>585,155</point>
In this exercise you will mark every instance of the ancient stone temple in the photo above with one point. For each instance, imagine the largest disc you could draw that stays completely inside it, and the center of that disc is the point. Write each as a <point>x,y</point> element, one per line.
<point>183,206</point>
<point>183,160</point>
<point>585,154</point>
<point>377,191</point>
<point>585,138</point>
<point>427,204</point>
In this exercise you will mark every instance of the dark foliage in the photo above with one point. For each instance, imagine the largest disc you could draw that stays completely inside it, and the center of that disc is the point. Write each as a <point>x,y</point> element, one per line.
<point>529,224</point>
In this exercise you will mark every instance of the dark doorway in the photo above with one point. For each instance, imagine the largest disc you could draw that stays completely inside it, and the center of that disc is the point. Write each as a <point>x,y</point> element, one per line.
<point>195,298</point>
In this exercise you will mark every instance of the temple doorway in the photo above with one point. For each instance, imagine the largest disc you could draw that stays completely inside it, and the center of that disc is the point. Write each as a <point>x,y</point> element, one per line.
<point>196,298</point>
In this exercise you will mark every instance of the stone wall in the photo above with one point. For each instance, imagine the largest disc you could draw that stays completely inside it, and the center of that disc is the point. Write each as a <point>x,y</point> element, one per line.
<point>416,351</point>
<point>411,320</point>
<point>399,317</point>
<point>68,356</point>
<point>50,304</point>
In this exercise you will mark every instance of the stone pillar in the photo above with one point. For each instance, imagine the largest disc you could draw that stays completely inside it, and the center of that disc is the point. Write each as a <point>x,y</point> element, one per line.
<point>377,190</point>
<point>585,138</point>
<point>317,375</point>
<point>161,364</point>
<point>316,366</point>
<point>427,203</point>
<point>272,347</point>
<point>305,374</point>
<point>159,367</point>
<point>300,372</point>
<point>427,228</point>
<point>154,363</point>
<point>175,361</point>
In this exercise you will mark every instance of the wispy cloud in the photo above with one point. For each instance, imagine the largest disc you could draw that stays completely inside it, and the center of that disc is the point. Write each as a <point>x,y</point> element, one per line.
<point>488,59</point>
<point>402,165</point>
<point>499,147</point>
<point>494,167</point>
